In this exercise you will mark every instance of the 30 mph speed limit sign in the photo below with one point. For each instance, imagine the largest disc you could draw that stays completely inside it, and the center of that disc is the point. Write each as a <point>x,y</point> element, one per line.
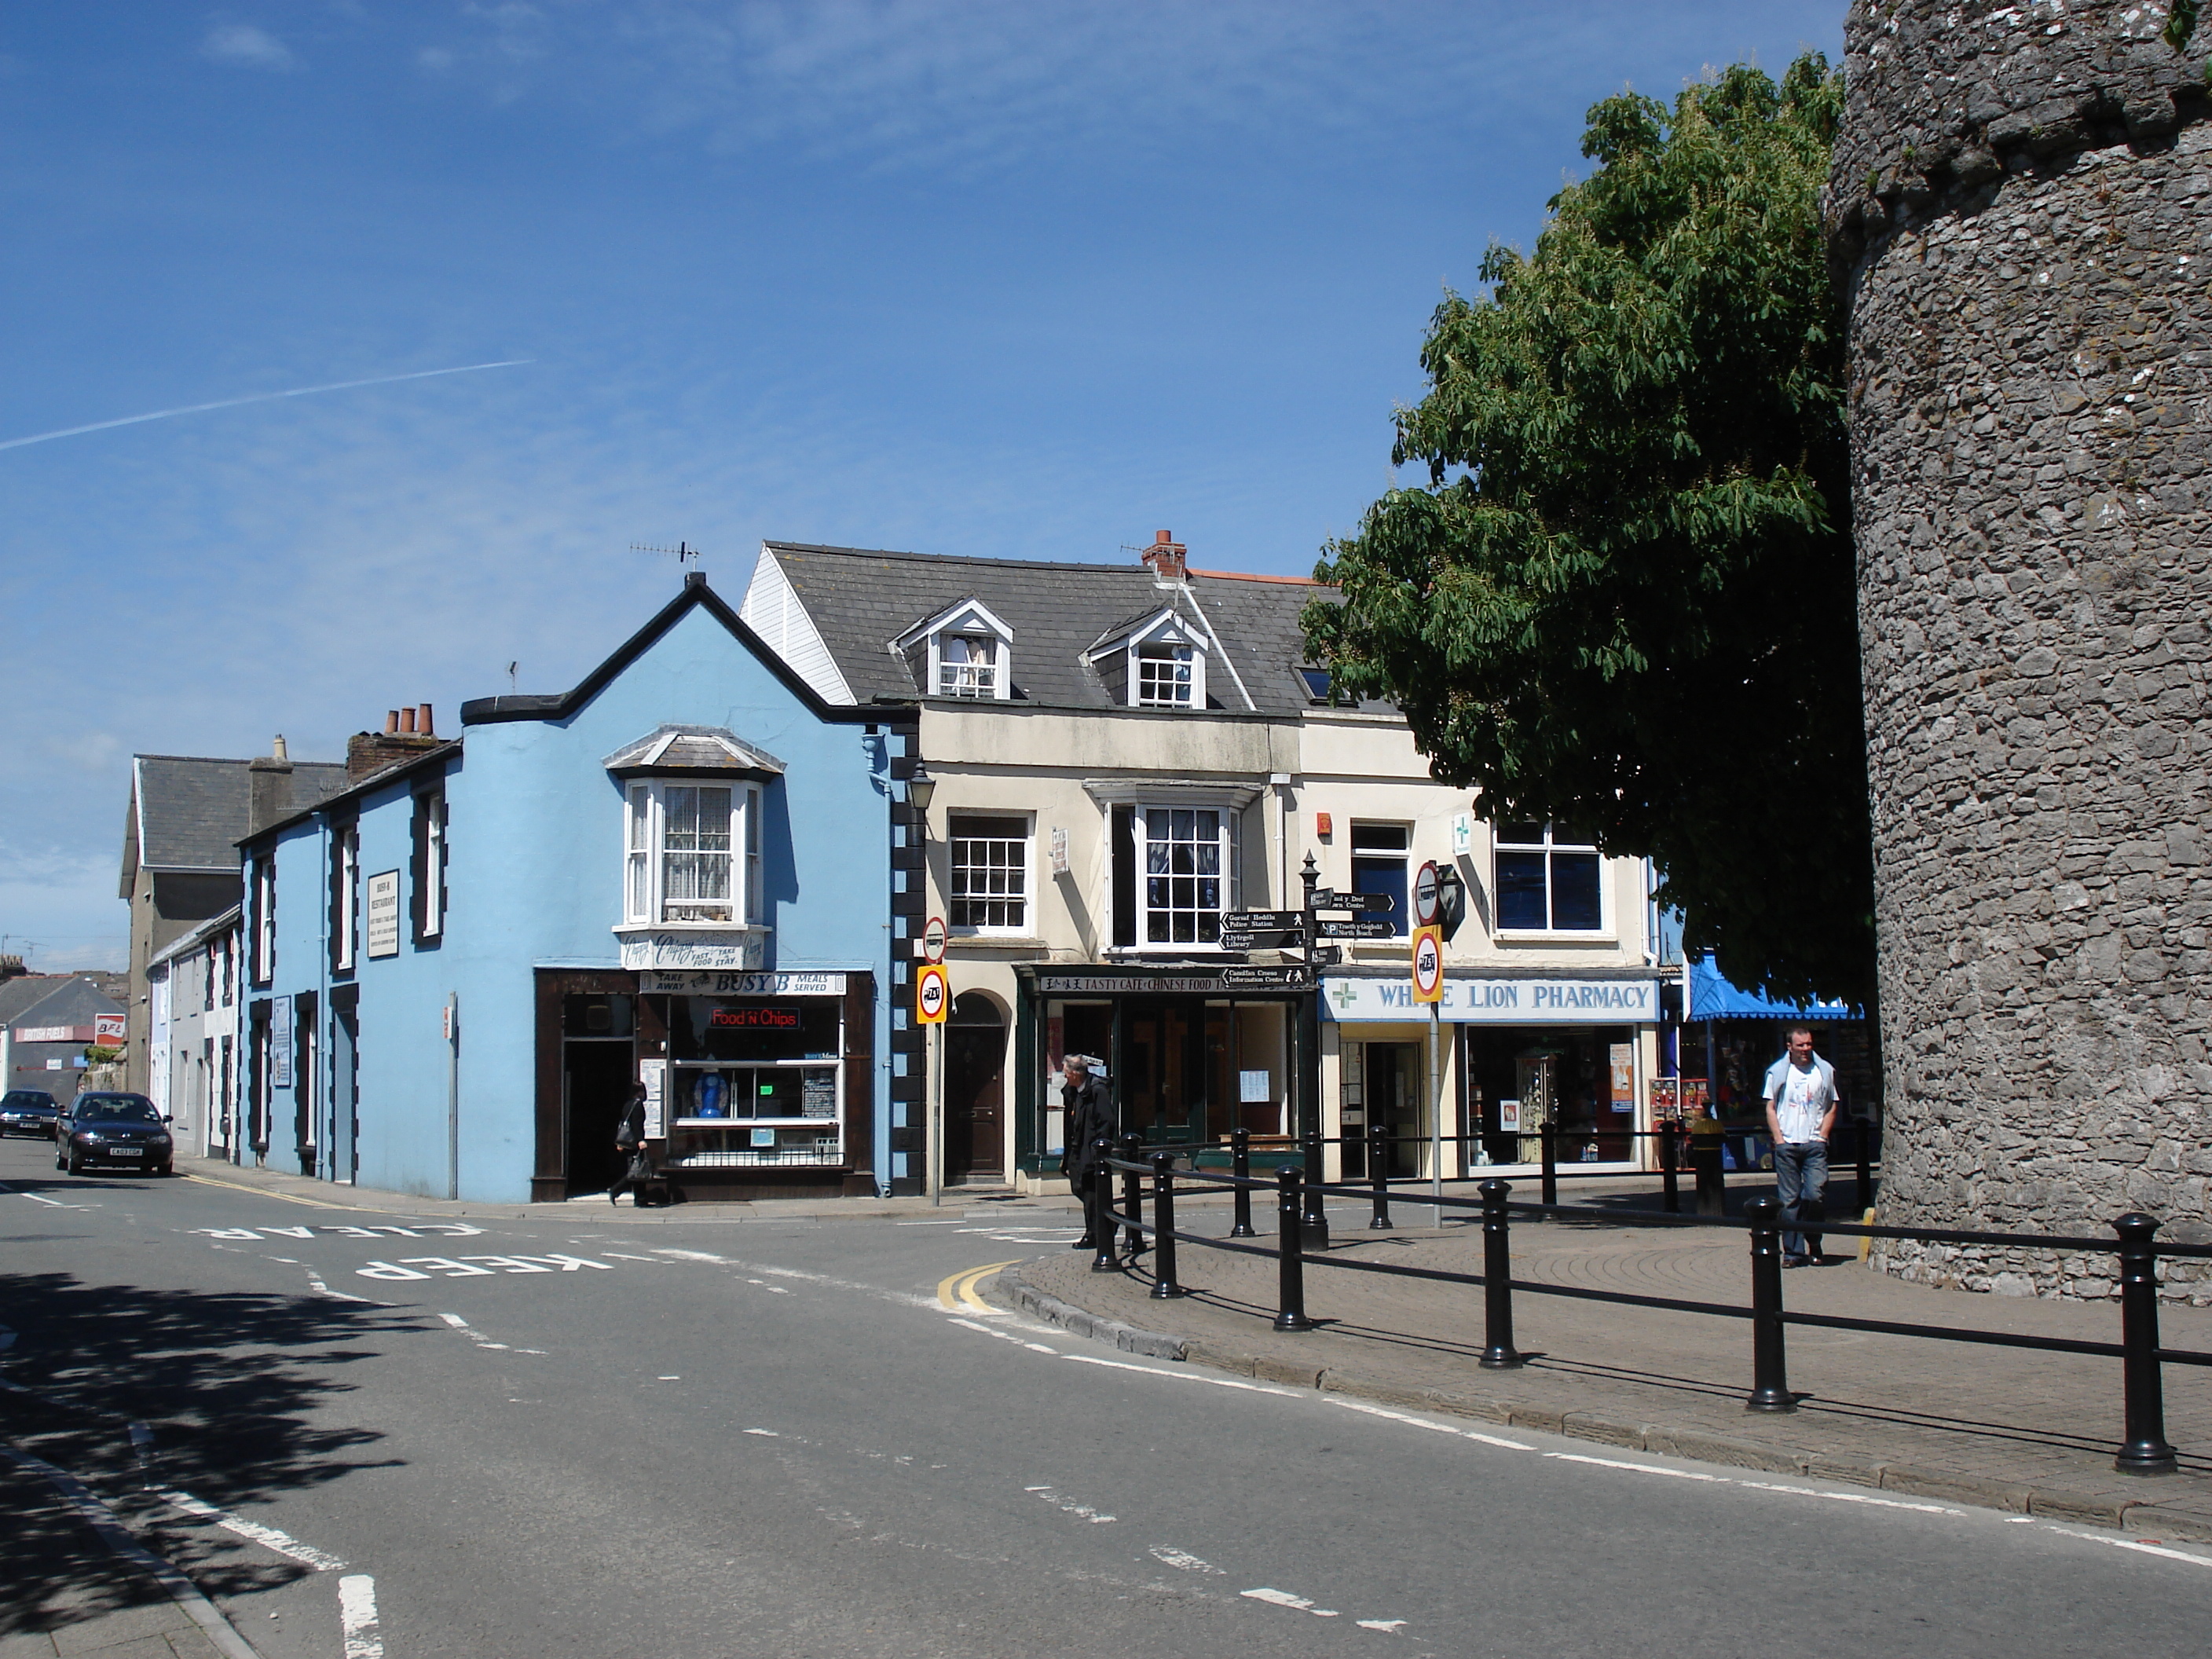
<point>1428,965</point>
<point>932,993</point>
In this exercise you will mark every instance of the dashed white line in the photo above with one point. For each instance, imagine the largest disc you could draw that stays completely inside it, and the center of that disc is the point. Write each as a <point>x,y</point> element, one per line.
<point>1183,1559</point>
<point>1858,1498</point>
<point>270,1538</point>
<point>1641,1468</point>
<point>2139,1547</point>
<point>1285,1599</point>
<point>357,1617</point>
<point>1181,1376</point>
<point>1069,1506</point>
<point>1424,1423</point>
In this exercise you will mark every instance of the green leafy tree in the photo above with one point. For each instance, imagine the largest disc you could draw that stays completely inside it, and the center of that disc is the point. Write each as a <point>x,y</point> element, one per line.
<point>1624,601</point>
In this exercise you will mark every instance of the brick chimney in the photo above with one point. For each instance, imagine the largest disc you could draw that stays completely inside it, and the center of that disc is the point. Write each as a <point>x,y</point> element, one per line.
<point>407,732</point>
<point>1165,556</point>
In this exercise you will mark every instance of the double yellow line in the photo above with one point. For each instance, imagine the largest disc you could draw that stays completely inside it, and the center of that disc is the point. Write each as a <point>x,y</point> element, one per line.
<point>956,1294</point>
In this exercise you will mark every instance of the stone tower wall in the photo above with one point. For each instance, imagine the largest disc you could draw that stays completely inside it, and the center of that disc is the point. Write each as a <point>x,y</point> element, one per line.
<point>2021,214</point>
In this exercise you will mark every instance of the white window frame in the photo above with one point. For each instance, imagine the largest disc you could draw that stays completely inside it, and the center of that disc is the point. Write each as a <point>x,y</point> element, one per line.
<point>1549,846</point>
<point>1025,869</point>
<point>1167,633</point>
<point>1228,840</point>
<point>972,621</point>
<point>263,967</point>
<point>348,896</point>
<point>645,853</point>
<point>980,681</point>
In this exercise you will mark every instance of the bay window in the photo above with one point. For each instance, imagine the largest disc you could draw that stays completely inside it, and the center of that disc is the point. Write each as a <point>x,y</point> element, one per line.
<point>692,853</point>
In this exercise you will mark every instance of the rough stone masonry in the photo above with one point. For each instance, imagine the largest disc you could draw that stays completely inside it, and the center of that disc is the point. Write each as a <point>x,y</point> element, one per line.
<point>2020,214</point>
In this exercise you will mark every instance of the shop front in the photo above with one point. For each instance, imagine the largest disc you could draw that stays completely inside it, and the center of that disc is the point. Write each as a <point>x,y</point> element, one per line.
<point>1191,1052</point>
<point>1731,1036</point>
<point>1516,1053</point>
<point>757,1083</point>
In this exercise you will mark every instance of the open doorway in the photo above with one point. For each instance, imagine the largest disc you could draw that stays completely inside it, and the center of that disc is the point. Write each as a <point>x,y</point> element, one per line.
<point>599,1064</point>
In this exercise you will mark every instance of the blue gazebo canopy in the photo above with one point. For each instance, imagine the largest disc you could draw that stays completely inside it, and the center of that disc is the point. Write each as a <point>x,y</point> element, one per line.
<point>1712,997</point>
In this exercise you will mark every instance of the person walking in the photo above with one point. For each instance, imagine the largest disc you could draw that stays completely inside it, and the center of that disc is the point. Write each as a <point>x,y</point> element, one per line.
<point>1089,1119</point>
<point>1800,1114</point>
<point>630,1146</point>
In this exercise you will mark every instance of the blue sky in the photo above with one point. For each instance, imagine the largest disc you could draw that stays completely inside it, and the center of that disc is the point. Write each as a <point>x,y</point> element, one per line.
<point>1023,279</point>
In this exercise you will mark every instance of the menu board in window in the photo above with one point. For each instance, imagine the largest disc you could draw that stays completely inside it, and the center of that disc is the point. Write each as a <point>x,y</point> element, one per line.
<point>818,1093</point>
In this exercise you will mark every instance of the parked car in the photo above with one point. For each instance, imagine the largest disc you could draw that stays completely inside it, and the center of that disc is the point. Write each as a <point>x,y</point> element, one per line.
<point>113,1128</point>
<point>28,1112</point>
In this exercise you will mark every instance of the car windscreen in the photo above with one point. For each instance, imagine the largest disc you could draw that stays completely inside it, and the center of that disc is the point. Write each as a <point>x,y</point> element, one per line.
<point>22,1100</point>
<point>119,1108</point>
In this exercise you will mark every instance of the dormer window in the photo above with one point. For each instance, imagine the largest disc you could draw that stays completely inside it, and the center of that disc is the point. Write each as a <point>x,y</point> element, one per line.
<point>962,652</point>
<point>967,666</point>
<point>1155,662</point>
<point>1163,676</point>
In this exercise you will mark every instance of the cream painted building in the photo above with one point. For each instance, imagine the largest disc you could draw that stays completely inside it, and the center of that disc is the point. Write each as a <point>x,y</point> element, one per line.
<point>1106,761</point>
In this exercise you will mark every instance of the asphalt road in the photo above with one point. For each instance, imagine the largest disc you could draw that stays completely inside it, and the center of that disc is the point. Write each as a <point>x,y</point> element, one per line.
<point>574,1435</point>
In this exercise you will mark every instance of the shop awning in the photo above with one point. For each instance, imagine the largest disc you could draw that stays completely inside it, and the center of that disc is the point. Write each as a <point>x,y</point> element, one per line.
<point>1712,997</point>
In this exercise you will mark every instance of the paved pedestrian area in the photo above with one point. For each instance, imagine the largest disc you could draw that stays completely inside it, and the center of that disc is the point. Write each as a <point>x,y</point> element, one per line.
<point>2007,1427</point>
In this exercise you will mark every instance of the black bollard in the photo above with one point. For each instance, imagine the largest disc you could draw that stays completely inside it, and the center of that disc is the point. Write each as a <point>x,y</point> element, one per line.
<point>1769,1379</point>
<point>1102,1208</point>
<point>1289,1249</point>
<point>1550,1136</point>
<point>2145,1451</point>
<point>1316,1217</point>
<point>1668,1147</point>
<point>1499,1353</point>
<point>1163,1239</point>
<point>1240,1165</point>
<point>1132,1193</point>
<point>1378,1172</point>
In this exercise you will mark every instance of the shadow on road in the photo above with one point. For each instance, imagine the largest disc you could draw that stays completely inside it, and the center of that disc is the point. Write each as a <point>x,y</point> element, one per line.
<point>235,1389</point>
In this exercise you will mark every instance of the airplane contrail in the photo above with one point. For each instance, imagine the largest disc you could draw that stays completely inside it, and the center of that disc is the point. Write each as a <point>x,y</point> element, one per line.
<point>259,397</point>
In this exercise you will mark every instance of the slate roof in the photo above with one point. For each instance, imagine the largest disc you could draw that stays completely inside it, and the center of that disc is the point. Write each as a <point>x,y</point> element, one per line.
<point>192,812</point>
<point>861,599</point>
<point>25,992</point>
<point>66,1002</point>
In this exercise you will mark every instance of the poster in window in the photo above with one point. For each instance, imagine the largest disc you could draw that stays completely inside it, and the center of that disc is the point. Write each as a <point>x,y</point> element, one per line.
<point>817,1096</point>
<point>1624,1076</point>
<point>383,920</point>
<point>654,1074</point>
<point>280,1043</point>
<point>1508,1117</point>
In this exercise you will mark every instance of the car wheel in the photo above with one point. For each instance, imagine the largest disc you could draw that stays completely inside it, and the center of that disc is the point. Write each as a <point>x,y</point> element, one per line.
<point>167,1170</point>
<point>75,1165</point>
<point>61,1159</point>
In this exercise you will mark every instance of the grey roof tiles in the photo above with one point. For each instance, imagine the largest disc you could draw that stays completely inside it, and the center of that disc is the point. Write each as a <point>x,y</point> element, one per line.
<point>194,811</point>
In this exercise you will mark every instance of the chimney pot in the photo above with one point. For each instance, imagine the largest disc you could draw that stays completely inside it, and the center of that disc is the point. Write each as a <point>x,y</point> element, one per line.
<point>1165,556</point>
<point>422,721</point>
<point>392,722</point>
<point>407,720</point>
<point>276,750</point>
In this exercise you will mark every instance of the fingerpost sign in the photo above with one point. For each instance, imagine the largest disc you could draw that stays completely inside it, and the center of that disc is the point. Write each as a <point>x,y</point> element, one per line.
<point>1428,965</point>
<point>932,993</point>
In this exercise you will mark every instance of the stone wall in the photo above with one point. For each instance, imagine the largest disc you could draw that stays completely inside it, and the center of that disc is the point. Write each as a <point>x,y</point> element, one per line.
<point>2021,214</point>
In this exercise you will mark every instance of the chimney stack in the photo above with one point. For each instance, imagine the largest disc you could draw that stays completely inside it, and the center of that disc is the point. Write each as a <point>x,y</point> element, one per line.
<point>408,733</point>
<point>1165,555</point>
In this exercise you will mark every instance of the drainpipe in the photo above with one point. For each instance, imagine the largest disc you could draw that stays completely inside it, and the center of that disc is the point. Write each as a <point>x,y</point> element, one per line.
<point>453,1094</point>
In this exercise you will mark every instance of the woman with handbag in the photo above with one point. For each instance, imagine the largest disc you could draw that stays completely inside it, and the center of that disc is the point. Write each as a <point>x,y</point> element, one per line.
<point>629,1141</point>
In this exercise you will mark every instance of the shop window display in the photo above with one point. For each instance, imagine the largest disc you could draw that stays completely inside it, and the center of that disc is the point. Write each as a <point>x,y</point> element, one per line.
<point>754,1083</point>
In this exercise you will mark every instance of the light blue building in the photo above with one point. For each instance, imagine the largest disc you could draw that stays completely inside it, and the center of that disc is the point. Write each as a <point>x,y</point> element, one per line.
<point>676,873</point>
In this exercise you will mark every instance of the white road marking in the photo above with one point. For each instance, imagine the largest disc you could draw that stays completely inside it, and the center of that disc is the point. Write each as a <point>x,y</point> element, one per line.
<point>2140,1548</point>
<point>1069,1506</point>
<point>1640,1468</point>
<point>270,1538</point>
<point>769,1433</point>
<point>876,1291</point>
<point>1388,1626</point>
<point>471,1333</point>
<point>357,1616</point>
<point>321,1288</point>
<point>1424,1423</point>
<point>1857,1498</point>
<point>1181,1376</point>
<point>1183,1559</point>
<point>1285,1599</point>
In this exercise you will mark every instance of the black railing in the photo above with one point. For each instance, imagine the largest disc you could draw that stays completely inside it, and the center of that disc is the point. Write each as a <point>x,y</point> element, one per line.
<point>2144,1451</point>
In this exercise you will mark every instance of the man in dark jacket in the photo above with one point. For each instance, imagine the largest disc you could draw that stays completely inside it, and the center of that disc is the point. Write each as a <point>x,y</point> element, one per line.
<point>1089,1120</point>
<point>630,1142</point>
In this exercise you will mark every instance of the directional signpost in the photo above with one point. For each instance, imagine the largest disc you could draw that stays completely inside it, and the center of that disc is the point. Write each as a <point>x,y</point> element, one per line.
<point>1358,927</point>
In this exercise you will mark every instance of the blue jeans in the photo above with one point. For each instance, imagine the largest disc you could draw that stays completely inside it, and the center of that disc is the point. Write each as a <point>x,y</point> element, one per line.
<point>1801,1177</point>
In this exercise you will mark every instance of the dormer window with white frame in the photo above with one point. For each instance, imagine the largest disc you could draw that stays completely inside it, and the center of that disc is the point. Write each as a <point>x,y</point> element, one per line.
<point>962,652</point>
<point>1163,663</point>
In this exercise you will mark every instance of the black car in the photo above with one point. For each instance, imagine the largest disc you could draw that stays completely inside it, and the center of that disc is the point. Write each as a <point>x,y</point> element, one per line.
<point>28,1112</point>
<point>113,1128</point>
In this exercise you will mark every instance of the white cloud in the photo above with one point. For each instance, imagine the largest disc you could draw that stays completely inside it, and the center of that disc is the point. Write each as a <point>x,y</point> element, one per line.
<point>247,47</point>
<point>48,900</point>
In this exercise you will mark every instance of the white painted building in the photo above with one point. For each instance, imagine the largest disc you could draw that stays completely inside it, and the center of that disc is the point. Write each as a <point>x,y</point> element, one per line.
<point>1115,758</point>
<point>192,1004</point>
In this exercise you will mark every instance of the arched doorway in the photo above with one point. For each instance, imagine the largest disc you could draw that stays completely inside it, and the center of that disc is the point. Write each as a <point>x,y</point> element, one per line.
<point>975,1090</point>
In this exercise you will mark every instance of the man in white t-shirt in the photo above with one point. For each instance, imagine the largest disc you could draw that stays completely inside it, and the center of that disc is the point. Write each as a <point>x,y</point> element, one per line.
<point>1800,1114</point>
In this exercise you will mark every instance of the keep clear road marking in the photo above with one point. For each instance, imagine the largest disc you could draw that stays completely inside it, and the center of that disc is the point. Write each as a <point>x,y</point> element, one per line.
<point>956,1293</point>
<point>446,1267</point>
<point>357,1617</point>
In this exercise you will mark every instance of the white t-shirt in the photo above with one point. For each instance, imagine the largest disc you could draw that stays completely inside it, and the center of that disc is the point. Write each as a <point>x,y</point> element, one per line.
<point>1801,1097</point>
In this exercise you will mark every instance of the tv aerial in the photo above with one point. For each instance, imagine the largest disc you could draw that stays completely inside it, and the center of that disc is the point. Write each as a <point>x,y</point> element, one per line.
<point>682,550</point>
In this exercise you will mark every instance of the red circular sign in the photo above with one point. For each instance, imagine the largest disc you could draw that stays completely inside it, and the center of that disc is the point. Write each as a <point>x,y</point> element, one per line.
<point>1428,965</point>
<point>932,940</point>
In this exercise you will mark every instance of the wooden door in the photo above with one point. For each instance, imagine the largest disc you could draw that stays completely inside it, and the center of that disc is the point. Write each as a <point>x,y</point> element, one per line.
<point>975,1090</point>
